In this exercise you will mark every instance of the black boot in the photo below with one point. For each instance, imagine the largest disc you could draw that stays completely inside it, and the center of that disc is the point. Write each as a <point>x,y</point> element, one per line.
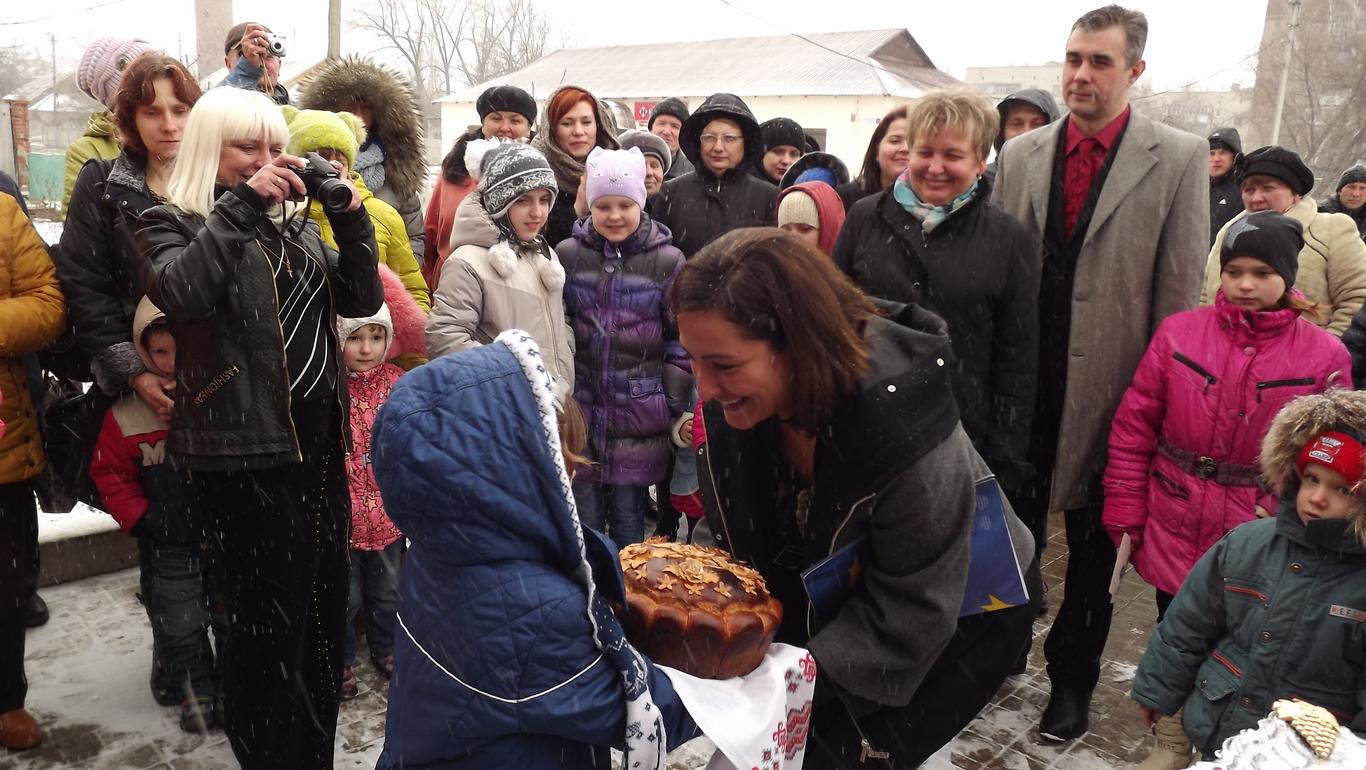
<point>1066,716</point>
<point>34,611</point>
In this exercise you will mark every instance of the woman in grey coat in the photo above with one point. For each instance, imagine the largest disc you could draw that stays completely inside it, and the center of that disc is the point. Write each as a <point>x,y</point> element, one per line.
<point>828,422</point>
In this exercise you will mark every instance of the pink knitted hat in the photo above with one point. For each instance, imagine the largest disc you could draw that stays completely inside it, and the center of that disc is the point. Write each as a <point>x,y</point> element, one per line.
<point>102,65</point>
<point>616,172</point>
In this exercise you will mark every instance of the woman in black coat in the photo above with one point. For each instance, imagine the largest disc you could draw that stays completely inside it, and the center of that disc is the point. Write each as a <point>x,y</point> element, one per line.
<point>97,258</point>
<point>721,194</point>
<point>830,427</point>
<point>933,238</point>
<point>252,294</point>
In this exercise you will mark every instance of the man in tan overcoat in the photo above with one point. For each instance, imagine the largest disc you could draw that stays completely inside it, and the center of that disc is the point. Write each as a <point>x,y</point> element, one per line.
<point>1119,206</point>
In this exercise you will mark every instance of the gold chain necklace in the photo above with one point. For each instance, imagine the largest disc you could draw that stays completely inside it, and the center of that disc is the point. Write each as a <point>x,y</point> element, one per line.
<point>284,258</point>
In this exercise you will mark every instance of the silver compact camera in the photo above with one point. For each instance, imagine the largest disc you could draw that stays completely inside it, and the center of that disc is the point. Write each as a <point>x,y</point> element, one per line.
<point>275,44</point>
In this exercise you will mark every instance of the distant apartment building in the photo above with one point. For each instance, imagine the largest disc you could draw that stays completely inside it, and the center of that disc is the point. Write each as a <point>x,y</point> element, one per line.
<point>999,82</point>
<point>1199,112</point>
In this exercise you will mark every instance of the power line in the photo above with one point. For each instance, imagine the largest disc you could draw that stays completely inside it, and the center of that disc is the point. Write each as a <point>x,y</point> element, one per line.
<point>1222,70</point>
<point>54,15</point>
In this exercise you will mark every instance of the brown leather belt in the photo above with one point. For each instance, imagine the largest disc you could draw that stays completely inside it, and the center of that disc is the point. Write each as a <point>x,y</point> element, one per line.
<point>1207,468</point>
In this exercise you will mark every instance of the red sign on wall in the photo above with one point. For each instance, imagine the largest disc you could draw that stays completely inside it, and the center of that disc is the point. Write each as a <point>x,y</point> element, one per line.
<point>643,110</point>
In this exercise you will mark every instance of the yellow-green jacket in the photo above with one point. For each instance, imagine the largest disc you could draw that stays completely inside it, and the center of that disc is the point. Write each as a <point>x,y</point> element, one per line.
<point>395,252</point>
<point>99,141</point>
<point>391,238</point>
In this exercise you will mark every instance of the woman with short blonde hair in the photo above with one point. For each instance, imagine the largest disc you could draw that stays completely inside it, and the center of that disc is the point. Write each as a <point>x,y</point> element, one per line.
<point>251,294</point>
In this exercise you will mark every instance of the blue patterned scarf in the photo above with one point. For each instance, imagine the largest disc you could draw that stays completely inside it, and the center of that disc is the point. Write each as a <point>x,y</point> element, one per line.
<point>928,215</point>
<point>370,165</point>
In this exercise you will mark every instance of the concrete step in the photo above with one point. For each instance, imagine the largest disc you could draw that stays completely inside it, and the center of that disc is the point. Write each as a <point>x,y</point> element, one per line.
<point>81,544</point>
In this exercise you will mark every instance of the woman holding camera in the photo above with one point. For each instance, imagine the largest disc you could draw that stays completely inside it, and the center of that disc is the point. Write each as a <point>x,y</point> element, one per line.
<point>251,293</point>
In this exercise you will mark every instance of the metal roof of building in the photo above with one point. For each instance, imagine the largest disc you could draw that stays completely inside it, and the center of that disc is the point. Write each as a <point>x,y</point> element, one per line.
<point>885,62</point>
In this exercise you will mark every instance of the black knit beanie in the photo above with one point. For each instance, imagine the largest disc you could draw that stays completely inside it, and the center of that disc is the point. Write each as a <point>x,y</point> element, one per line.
<point>1285,165</point>
<point>1275,239</point>
<point>1356,173</point>
<point>782,131</point>
<point>506,99</point>
<point>670,106</point>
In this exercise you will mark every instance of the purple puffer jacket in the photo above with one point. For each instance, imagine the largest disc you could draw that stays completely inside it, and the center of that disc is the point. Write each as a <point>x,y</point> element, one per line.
<point>1211,382</point>
<point>632,378</point>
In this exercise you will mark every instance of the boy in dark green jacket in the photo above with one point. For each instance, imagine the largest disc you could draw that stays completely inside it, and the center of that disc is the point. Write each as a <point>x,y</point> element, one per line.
<point>1277,609</point>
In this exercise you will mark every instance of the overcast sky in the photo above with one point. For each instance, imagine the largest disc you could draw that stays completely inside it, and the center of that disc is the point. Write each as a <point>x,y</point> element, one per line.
<point>1188,41</point>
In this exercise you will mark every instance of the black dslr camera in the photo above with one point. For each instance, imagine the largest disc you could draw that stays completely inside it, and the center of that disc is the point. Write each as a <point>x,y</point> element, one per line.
<point>323,184</point>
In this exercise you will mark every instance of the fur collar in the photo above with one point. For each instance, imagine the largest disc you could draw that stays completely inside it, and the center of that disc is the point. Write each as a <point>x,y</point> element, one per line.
<point>503,258</point>
<point>397,120</point>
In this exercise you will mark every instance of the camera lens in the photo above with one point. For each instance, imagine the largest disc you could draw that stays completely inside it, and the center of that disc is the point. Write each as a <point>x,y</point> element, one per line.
<point>277,47</point>
<point>334,195</point>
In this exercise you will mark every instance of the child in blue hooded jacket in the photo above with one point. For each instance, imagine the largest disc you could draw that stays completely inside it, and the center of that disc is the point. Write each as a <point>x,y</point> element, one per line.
<point>507,653</point>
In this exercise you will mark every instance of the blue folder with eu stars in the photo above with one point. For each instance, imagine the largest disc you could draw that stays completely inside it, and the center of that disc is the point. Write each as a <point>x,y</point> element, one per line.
<point>995,578</point>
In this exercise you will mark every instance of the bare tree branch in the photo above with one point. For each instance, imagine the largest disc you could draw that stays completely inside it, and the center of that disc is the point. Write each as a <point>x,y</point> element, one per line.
<point>448,42</point>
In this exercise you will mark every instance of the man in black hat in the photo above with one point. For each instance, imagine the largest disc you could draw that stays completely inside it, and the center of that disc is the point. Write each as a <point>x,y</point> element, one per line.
<point>1350,197</point>
<point>252,56</point>
<point>666,122</point>
<point>1225,199</point>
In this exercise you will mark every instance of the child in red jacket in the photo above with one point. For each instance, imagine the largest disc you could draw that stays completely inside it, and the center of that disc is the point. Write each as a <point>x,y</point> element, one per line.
<point>151,499</point>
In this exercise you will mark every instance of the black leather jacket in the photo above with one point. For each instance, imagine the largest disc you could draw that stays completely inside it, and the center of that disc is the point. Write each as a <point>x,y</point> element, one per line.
<point>213,280</point>
<point>97,262</point>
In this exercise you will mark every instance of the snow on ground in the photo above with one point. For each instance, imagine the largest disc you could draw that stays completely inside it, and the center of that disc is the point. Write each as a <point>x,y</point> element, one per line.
<point>82,521</point>
<point>88,674</point>
<point>51,231</point>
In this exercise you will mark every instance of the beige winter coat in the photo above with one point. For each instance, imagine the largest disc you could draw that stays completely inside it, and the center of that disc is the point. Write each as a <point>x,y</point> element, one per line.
<point>1332,264</point>
<point>486,288</point>
<point>1139,263</point>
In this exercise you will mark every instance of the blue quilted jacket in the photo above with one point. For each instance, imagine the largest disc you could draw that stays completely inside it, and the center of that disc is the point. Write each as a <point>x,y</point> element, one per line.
<point>495,662</point>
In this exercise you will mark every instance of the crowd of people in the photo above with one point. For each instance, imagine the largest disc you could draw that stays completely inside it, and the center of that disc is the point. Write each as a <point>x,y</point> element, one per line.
<point>318,400</point>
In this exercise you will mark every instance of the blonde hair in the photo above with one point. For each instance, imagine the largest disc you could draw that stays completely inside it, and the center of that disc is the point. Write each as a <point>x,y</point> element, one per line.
<point>1297,301</point>
<point>220,116</point>
<point>964,110</point>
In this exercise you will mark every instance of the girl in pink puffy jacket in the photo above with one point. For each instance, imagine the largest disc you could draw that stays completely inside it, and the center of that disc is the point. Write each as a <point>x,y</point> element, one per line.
<point>370,346</point>
<point>1184,443</point>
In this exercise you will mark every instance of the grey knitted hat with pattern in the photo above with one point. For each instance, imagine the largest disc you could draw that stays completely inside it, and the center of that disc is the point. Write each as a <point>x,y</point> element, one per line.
<point>509,171</point>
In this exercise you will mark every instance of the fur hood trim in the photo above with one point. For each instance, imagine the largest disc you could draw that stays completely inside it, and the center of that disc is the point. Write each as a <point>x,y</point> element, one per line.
<point>400,314</point>
<point>410,323</point>
<point>1298,423</point>
<point>397,119</point>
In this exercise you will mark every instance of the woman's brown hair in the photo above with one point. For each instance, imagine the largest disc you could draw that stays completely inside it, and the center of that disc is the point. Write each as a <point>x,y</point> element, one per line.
<point>573,437</point>
<point>778,288</point>
<point>870,175</point>
<point>138,89</point>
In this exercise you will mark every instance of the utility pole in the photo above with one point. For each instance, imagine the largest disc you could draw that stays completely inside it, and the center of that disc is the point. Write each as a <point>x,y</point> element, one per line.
<point>333,29</point>
<point>1285,71</point>
<point>52,38</point>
